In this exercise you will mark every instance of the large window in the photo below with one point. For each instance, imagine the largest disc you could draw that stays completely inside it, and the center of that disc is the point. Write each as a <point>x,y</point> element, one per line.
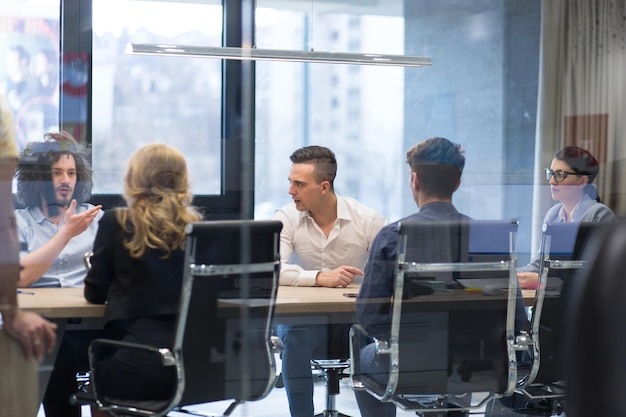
<point>481,92</point>
<point>357,111</point>
<point>142,99</point>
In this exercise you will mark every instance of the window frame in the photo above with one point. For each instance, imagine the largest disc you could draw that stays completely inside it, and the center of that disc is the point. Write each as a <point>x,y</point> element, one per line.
<point>237,119</point>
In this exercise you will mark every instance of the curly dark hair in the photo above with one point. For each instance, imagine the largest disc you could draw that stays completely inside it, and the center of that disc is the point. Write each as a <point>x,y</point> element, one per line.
<point>34,173</point>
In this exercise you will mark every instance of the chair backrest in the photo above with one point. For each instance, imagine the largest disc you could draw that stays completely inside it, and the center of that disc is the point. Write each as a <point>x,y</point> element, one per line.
<point>558,245</point>
<point>433,324</point>
<point>490,241</point>
<point>595,359</point>
<point>432,242</point>
<point>561,253</point>
<point>223,335</point>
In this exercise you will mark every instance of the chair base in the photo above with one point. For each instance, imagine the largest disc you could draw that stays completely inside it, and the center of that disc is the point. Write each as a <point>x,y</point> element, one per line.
<point>144,408</point>
<point>438,406</point>
<point>521,404</point>
<point>544,400</point>
<point>331,413</point>
<point>226,413</point>
<point>542,407</point>
<point>332,369</point>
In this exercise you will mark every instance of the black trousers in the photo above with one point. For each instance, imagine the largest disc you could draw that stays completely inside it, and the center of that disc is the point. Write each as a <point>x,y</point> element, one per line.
<point>71,359</point>
<point>129,373</point>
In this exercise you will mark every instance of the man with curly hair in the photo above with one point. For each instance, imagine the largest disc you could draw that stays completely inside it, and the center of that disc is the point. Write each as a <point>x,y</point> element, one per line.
<point>55,229</point>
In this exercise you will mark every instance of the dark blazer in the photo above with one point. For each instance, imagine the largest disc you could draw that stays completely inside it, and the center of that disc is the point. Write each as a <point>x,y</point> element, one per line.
<point>131,288</point>
<point>142,298</point>
<point>379,279</point>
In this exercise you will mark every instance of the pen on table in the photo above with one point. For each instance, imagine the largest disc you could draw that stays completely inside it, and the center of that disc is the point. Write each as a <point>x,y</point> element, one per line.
<point>26,292</point>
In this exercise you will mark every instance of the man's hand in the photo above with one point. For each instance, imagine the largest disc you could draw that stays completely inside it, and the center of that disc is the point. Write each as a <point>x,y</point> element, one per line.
<point>338,277</point>
<point>37,262</point>
<point>75,224</point>
<point>36,334</point>
<point>528,280</point>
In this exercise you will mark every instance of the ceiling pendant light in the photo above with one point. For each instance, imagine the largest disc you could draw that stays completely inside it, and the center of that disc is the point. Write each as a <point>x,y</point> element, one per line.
<point>254,54</point>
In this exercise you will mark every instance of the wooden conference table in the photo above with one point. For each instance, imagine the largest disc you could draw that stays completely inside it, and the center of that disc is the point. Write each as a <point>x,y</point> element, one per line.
<point>19,381</point>
<point>70,303</point>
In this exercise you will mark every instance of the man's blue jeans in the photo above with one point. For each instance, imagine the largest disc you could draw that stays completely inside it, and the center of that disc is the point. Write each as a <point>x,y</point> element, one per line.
<point>379,370</point>
<point>301,344</point>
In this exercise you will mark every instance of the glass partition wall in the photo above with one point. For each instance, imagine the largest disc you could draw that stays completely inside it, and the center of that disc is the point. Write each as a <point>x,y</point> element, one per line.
<point>481,92</point>
<point>66,67</point>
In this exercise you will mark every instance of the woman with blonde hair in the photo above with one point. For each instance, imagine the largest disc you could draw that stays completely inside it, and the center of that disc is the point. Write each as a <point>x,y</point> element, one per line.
<point>137,270</point>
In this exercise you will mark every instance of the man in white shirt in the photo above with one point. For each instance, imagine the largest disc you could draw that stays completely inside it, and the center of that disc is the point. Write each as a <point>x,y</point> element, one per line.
<point>324,242</point>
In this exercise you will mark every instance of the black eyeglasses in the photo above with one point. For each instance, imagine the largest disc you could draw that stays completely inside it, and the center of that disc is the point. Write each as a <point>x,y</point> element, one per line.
<point>559,176</point>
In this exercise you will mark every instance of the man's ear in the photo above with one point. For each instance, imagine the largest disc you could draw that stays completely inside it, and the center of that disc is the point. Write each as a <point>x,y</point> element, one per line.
<point>325,186</point>
<point>458,184</point>
<point>415,181</point>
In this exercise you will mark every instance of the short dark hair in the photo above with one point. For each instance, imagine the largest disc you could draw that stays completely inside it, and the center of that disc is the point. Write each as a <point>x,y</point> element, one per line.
<point>34,168</point>
<point>323,158</point>
<point>439,164</point>
<point>582,162</point>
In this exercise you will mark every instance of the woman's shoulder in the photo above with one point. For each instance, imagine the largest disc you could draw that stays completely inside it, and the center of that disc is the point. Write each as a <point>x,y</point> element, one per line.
<point>552,214</point>
<point>598,212</point>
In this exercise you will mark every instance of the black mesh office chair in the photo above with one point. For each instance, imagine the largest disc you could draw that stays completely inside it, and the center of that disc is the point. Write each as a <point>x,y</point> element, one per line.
<point>596,358</point>
<point>487,242</point>
<point>418,344</point>
<point>222,347</point>
<point>562,248</point>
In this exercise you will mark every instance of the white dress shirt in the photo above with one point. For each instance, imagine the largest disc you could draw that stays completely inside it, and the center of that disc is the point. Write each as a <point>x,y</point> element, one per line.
<point>305,250</point>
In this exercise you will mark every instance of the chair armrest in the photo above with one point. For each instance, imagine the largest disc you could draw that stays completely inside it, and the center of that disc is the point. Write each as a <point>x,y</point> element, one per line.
<point>362,330</point>
<point>523,341</point>
<point>95,398</point>
<point>382,346</point>
<point>167,356</point>
<point>356,332</point>
<point>276,344</point>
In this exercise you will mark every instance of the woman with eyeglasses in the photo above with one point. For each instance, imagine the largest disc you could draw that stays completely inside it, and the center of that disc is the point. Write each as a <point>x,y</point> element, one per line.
<point>571,176</point>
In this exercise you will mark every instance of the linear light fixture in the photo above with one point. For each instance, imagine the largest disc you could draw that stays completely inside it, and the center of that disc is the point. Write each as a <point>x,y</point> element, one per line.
<point>255,54</point>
